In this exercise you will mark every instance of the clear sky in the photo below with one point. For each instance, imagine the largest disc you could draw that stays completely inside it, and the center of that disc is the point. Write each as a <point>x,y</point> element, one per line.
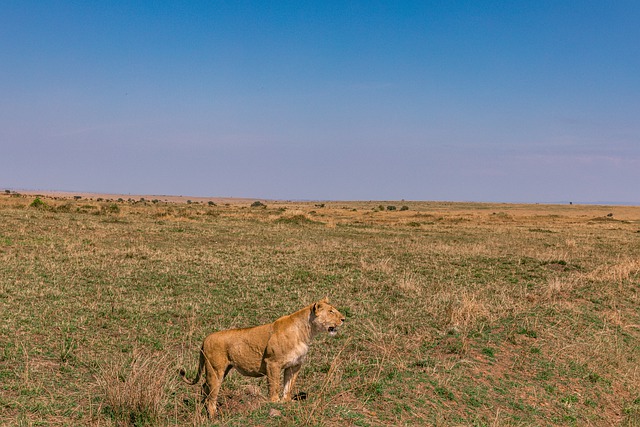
<point>518,101</point>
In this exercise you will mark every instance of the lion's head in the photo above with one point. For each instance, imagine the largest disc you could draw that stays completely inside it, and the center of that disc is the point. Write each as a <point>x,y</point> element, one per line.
<point>326,317</point>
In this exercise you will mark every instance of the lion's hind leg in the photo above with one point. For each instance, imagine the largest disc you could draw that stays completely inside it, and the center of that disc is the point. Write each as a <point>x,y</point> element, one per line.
<point>211,387</point>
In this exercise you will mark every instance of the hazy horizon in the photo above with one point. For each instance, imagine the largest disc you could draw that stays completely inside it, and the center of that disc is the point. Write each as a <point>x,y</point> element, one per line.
<point>69,193</point>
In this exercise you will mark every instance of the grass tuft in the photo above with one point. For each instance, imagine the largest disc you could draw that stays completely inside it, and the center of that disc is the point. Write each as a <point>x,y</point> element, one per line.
<point>136,391</point>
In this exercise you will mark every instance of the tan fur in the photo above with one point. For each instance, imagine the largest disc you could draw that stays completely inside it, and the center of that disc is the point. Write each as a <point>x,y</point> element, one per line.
<point>264,350</point>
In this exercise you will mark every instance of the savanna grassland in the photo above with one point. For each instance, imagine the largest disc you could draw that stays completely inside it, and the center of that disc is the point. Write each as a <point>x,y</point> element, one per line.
<point>457,314</point>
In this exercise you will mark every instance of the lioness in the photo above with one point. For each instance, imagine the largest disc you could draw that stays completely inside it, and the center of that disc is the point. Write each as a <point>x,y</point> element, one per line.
<point>264,350</point>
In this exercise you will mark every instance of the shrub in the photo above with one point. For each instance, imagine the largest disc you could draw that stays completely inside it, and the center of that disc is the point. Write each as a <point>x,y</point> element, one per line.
<point>391,208</point>
<point>111,208</point>
<point>38,204</point>
<point>404,208</point>
<point>211,203</point>
<point>64,208</point>
<point>297,219</point>
<point>258,204</point>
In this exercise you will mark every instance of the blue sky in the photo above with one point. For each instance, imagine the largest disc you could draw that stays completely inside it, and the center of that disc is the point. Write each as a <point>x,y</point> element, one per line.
<point>519,101</point>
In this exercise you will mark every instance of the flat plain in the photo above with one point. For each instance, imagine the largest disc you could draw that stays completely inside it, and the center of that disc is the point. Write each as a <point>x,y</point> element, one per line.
<point>458,314</point>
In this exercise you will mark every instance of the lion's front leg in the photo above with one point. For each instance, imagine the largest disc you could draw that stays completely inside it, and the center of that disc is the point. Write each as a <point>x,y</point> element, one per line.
<point>273,379</point>
<point>290,376</point>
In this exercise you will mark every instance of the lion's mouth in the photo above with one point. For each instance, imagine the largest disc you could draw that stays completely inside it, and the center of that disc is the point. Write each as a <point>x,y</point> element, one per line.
<point>332,330</point>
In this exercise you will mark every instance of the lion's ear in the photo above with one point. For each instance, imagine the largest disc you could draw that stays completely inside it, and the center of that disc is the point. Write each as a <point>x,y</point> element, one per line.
<point>325,300</point>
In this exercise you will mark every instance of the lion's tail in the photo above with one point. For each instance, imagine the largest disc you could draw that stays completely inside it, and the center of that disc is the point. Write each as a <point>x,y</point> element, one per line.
<point>183,374</point>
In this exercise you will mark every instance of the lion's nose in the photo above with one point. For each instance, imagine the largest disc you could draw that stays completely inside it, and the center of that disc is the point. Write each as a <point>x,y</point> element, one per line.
<point>343,319</point>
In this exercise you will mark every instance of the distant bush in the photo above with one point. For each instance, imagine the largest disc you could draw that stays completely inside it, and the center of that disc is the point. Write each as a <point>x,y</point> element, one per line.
<point>404,208</point>
<point>391,208</point>
<point>38,204</point>
<point>258,204</point>
<point>64,208</point>
<point>111,208</point>
<point>298,219</point>
<point>211,203</point>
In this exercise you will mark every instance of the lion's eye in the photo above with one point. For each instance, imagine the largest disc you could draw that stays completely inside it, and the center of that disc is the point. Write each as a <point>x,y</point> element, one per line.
<point>331,311</point>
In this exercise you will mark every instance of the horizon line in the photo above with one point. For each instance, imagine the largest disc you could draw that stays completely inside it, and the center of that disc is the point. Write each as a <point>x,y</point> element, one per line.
<point>72,193</point>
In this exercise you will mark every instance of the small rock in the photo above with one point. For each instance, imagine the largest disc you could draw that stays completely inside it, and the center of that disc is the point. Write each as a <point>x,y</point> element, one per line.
<point>273,412</point>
